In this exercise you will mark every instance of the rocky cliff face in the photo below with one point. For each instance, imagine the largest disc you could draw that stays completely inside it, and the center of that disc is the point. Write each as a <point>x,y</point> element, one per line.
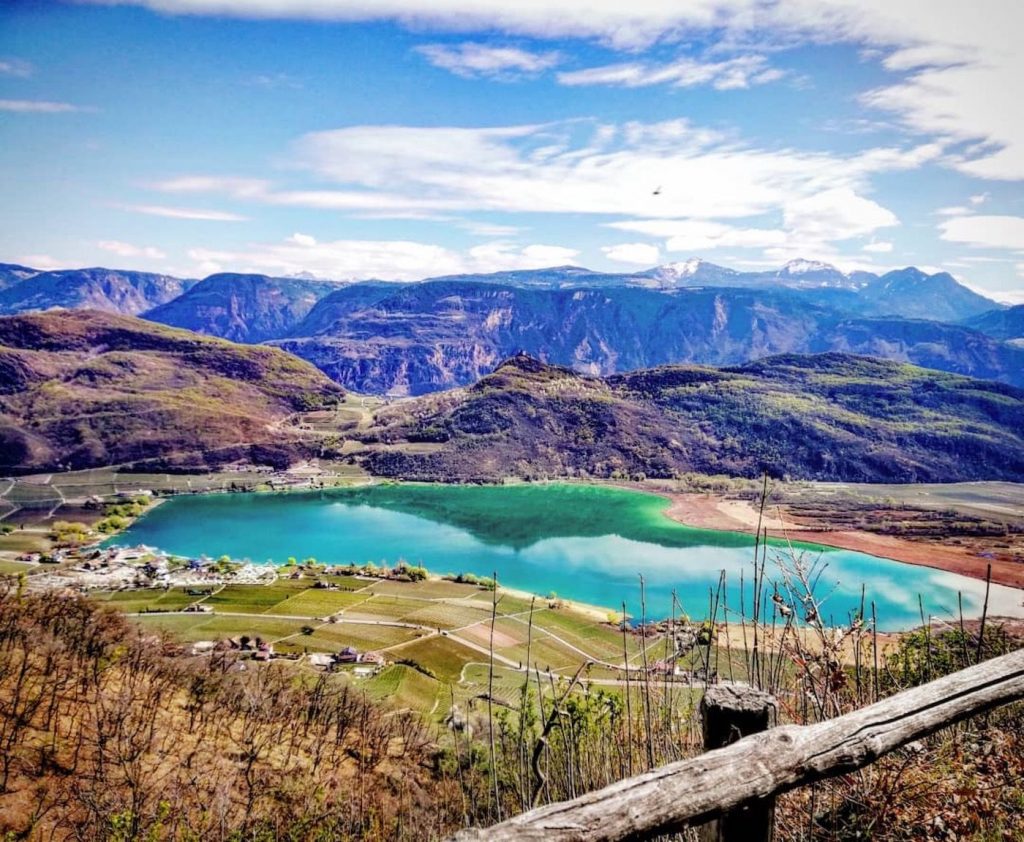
<point>106,290</point>
<point>242,308</point>
<point>434,335</point>
<point>1006,324</point>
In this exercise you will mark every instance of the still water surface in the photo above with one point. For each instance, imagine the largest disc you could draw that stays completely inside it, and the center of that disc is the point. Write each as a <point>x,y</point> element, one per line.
<point>582,542</point>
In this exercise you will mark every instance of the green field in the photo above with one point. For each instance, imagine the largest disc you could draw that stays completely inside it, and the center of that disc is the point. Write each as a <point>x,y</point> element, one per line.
<point>255,599</point>
<point>430,668</point>
<point>319,603</point>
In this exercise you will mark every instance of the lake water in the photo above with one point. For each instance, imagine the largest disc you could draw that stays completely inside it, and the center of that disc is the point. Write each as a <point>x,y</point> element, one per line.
<point>582,542</point>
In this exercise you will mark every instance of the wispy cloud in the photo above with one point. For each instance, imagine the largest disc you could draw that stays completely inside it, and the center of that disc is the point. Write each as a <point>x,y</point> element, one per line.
<point>956,69</point>
<point>186,213</point>
<point>15,67</point>
<point>472,60</point>
<point>40,106</point>
<point>685,72</point>
<point>879,247</point>
<point>122,249</point>
<point>397,260</point>
<point>274,81</point>
<point>716,190</point>
<point>637,254</point>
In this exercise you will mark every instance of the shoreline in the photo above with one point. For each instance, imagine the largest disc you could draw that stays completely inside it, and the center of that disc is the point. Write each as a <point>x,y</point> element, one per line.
<point>715,511</point>
<point>711,511</point>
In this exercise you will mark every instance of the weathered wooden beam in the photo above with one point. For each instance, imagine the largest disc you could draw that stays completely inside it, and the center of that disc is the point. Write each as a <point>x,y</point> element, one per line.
<point>730,712</point>
<point>764,765</point>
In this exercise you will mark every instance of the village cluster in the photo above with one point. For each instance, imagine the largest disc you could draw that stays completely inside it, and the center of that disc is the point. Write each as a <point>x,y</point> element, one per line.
<point>144,569</point>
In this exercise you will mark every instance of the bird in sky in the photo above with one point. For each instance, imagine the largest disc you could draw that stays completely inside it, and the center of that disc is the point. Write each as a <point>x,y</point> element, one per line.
<point>657,191</point>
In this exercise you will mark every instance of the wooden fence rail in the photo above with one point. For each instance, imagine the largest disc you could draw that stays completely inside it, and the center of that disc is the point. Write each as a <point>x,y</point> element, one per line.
<point>762,766</point>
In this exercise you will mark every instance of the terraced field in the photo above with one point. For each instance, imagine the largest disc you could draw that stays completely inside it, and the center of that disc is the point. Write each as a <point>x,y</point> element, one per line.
<point>436,633</point>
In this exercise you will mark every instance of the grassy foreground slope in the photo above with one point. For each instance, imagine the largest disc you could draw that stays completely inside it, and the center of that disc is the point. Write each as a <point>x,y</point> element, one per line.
<point>826,417</point>
<point>81,389</point>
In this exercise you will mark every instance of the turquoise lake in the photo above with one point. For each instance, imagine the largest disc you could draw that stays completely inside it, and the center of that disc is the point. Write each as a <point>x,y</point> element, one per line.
<point>583,542</point>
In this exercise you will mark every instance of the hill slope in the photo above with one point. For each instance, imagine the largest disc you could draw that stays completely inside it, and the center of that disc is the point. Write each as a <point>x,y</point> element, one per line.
<point>242,308</point>
<point>914,294</point>
<point>827,417</point>
<point>1005,324</point>
<point>109,290</point>
<point>81,389</point>
<point>12,273</point>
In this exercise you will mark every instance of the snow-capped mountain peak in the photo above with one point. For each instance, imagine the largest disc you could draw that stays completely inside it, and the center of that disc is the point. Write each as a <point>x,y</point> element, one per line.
<point>803,267</point>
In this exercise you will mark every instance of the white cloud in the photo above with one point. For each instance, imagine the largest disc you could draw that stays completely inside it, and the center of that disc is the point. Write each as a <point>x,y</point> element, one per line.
<point>472,60</point>
<point>128,250</point>
<point>15,67</point>
<point>698,235</point>
<point>46,262</point>
<point>954,210</point>
<point>186,213</point>
<point>489,229</point>
<point>393,260</point>
<point>1009,296</point>
<point>880,247</point>
<point>241,188</point>
<point>1006,232</point>
<point>628,25</point>
<point>273,81</point>
<point>740,72</point>
<point>39,106</point>
<point>979,199</point>
<point>811,224</point>
<point>555,169</point>
<point>711,184</point>
<point>641,254</point>
<point>959,63</point>
<point>836,214</point>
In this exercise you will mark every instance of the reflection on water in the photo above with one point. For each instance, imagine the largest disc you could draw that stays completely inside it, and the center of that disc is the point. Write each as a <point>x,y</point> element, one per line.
<point>584,543</point>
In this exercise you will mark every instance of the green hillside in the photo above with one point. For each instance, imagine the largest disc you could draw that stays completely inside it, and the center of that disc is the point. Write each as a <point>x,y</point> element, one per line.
<point>81,389</point>
<point>827,417</point>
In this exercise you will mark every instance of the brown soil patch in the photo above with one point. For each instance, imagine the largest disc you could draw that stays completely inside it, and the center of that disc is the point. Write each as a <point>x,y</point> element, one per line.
<point>709,511</point>
<point>481,633</point>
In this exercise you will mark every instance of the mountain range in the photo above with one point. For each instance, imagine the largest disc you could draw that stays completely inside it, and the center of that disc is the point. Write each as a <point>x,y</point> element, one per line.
<point>1006,324</point>
<point>107,290</point>
<point>436,335</point>
<point>413,338</point>
<point>242,308</point>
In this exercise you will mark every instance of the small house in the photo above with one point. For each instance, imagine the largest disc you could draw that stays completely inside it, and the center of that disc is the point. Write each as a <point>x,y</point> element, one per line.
<point>348,655</point>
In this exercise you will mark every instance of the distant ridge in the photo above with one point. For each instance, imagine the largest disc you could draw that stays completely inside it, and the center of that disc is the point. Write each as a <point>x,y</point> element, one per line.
<point>108,290</point>
<point>434,335</point>
<point>418,337</point>
<point>243,308</point>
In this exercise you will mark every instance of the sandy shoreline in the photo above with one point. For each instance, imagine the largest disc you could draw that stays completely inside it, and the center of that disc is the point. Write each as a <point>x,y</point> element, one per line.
<point>708,511</point>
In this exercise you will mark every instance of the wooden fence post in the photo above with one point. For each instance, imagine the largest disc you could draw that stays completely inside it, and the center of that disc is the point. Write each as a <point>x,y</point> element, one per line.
<point>729,713</point>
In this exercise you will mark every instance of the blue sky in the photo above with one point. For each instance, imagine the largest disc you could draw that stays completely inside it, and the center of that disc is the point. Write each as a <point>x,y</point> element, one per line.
<point>402,139</point>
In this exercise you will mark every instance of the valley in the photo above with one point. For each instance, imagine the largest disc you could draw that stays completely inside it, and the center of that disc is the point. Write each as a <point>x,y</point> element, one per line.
<point>511,421</point>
